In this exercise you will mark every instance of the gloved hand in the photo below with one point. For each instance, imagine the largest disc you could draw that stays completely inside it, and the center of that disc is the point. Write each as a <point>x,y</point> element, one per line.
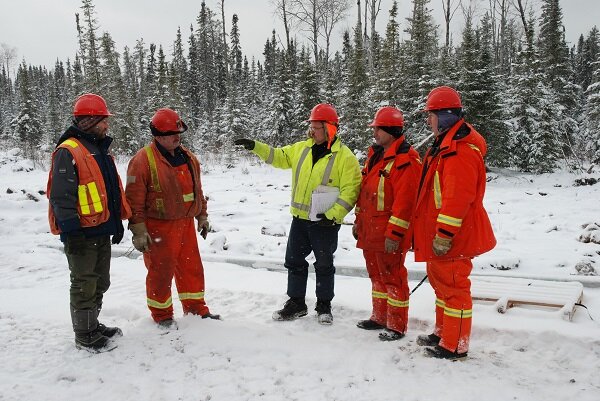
<point>390,245</point>
<point>441,246</point>
<point>141,238</point>
<point>248,144</point>
<point>325,222</point>
<point>75,244</point>
<point>116,239</point>
<point>355,231</point>
<point>203,226</point>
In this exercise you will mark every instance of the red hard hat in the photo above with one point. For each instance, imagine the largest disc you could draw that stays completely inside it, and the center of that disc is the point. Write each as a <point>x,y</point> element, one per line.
<point>324,112</point>
<point>388,116</point>
<point>443,97</point>
<point>90,105</point>
<point>167,122</point>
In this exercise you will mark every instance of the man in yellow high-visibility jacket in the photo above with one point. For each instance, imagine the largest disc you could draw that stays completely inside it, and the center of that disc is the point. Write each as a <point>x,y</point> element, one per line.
<point>322,160</point>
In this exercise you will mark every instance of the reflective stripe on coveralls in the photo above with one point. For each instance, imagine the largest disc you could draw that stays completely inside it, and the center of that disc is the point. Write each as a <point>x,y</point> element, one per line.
<point>381,186</point>
<point>160,204</point>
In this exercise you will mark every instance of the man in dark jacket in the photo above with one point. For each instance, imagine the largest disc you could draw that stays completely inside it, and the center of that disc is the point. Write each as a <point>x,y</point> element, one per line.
<point>87,204</point>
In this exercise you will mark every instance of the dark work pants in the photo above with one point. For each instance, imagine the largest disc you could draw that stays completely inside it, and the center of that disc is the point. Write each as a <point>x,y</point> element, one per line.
<point>90,273</point>
<point>305,237</point>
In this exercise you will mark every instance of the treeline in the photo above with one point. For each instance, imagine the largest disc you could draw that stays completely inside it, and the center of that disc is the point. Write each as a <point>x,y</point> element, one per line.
<point>536,100</point>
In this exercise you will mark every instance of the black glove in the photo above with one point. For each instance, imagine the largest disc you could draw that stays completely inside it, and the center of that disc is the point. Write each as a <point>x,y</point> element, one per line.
<point>325,222</point>
<point>248,144</point>
<point>75,244</point>
<point>116,239</point>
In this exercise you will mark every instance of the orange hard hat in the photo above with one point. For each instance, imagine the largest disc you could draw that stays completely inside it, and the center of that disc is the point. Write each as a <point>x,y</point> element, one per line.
<point>388,116</point>
<point>443,97</point>
<point>167,122</point>
<point>324,112</point>
<point>90,104</point>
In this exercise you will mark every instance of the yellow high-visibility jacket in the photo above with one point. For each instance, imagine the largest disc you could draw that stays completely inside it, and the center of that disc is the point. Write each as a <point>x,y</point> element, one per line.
<point>338,169</point>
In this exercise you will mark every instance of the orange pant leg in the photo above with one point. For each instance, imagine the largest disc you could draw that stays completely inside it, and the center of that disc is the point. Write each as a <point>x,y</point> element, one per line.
<point>395,278</point>
<point>453,287</point>
<point>161,261</point>
<point>189,271</point>
<point>378,290</point>
<point>439,303</point>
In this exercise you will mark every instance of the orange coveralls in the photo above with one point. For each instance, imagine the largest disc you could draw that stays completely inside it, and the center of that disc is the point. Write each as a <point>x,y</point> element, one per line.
<point>450,205</point>
<point>167,199</point>
<point>384,209</point>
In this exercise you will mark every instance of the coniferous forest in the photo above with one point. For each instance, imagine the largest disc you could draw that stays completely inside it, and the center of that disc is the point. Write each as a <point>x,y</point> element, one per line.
<point>535,100</point>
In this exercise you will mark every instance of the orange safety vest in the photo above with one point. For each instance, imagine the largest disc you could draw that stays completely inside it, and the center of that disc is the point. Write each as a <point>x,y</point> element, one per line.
<point>387,197</point>
<point>92,205</point>
<point>154,187</point>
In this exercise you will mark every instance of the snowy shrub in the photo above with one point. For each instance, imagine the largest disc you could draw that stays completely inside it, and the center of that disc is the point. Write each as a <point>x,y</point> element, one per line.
<point>591,233</point>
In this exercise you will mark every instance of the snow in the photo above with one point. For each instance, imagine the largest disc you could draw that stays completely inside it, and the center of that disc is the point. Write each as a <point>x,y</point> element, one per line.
<point>528,353</point>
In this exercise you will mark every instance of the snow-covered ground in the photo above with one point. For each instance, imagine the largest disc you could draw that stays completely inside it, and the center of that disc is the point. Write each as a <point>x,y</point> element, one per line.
<point>527,353</point>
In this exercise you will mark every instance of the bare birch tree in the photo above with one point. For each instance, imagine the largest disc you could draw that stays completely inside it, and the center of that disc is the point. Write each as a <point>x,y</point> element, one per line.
<point>450,7</point>
<point>334,11</point>
<point>7,56</point>
<point>282,10</point>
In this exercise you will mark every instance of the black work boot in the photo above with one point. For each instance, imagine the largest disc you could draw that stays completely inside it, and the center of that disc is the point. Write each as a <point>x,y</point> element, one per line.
<point>168,324</point>
<point>429,340</point>
<point>390,335</point>
<point>87,334</point>
<point>442,353</point>
<point>109,332</point>
<point>323,309</point>
<point>292,309</point>
<point>93,341</point>
<point>211,316</point>
<point>369,325</point>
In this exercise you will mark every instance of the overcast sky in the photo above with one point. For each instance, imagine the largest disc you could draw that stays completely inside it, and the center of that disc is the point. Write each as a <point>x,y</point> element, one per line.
<point>44,30</point>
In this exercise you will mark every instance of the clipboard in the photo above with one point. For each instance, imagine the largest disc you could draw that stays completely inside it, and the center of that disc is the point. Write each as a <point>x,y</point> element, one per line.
<point>322,199</point>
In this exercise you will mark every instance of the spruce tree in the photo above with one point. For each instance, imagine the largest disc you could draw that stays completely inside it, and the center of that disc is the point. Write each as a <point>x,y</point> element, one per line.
<point>389,85</point>
<point>479,90</point>
<point>27,126</point>
<point>534,144</point>
<point>177,75</point>
<point>592,115</point>
<point>357,114</point>
<point>559,75</point>
<point>418,72</point>
<point>90,47</point>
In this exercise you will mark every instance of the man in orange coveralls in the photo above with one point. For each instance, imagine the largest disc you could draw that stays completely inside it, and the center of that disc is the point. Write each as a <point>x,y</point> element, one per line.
<point>388,191</point>
<point>165,194</point>
<point>450,223</point>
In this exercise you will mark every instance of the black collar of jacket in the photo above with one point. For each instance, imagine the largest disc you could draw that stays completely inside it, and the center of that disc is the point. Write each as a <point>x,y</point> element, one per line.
<point>178,159</point>
<point>74,132</point>
<point>320,150</point>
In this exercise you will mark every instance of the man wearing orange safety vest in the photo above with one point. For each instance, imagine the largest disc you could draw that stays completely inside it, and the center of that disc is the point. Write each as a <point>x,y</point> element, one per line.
<point>450,223</point>
<point>165,194</point>
<point>388,192</point>
<point>87,204</point>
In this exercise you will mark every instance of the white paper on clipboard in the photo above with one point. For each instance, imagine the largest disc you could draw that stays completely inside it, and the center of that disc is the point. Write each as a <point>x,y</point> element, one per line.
<point>322,199</point>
